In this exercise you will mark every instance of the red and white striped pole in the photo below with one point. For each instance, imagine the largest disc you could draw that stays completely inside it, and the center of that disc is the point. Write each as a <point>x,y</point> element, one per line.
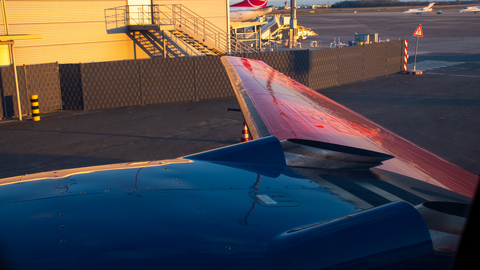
<point>405,56</point>
<point>244,133</point>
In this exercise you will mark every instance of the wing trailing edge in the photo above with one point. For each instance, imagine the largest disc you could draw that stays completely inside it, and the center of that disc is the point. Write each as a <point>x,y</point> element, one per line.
<point>274,104</point>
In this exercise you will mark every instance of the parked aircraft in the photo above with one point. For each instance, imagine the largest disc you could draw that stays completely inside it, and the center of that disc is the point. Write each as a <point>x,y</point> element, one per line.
<point>320,187</point>
<point>420,10</point>
<point>248,10</point>
<point>474,9</point>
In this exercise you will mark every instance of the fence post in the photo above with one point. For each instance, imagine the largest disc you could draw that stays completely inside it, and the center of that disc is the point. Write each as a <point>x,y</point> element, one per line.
<point>16,84</point>
<point>35,108</point>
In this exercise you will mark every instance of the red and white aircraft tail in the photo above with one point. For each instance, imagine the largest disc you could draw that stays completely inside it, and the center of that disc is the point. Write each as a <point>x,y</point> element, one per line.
<point>251,3</point>
<point>248,10</point>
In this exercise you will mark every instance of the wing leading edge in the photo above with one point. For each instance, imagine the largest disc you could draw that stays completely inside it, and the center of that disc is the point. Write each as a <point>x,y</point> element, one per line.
<point>274,104</point>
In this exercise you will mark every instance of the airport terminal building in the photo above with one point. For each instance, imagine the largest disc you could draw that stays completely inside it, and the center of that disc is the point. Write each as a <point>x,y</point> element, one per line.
<point>74,31</point>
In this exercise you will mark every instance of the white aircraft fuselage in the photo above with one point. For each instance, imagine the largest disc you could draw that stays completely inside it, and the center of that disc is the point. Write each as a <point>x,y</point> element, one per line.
<point>420,10</point>
<point>474,9</point>
<point>240,14</point>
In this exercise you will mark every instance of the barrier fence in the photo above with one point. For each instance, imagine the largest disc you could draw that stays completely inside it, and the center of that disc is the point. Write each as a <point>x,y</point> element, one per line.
<point>41,80</point>
<point>91,86</point>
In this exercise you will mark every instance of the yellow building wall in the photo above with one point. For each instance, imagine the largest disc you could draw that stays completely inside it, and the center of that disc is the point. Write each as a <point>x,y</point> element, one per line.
<point>215,11</point>
<point>74,31</point>
<point>4,55</point>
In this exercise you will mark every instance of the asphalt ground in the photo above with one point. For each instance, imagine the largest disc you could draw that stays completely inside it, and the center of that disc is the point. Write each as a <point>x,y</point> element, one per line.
<point>450,32</point>
<point>439,111</point>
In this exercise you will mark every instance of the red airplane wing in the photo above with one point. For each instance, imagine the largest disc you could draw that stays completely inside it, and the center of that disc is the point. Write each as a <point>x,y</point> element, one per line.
<point>274,104</point>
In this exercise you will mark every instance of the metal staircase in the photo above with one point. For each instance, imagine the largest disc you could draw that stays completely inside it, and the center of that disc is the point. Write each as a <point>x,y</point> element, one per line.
<point>150,47</point>
<point>202,48</point>
<point>171,31</point>
<point>152,44</point>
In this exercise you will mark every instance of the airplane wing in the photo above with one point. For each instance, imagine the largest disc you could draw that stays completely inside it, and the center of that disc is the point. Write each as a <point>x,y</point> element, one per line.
<point>274,104</point>
<point>243,205</point>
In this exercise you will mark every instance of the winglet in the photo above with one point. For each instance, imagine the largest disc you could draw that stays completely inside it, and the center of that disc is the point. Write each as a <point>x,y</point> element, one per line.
<point>256,126</point>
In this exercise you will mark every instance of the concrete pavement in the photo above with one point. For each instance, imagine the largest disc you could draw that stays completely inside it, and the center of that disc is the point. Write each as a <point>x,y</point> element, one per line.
<point>439,110</point>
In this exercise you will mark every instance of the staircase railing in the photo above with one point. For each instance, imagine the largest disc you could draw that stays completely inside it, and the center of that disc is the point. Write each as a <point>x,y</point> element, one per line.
<point>183,45</point>
<point>163,14</point>
<point>178,15</point>
<point>186,18</point>
<point>115,17</point>
<point>137,15</point>
<point>207,30</point>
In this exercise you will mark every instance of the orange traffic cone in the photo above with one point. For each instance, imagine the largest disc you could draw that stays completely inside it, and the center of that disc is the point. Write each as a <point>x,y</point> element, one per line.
<point>244,133</point>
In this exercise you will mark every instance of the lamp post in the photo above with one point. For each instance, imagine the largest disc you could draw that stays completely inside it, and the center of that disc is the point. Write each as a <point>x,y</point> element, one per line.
<point>12,60</point>
<point>293,22</point>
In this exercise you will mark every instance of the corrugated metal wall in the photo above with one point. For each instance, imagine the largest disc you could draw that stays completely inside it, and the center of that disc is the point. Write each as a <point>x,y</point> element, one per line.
<point>90,86</point>
<point>72,32</point>
<point>214,11</point>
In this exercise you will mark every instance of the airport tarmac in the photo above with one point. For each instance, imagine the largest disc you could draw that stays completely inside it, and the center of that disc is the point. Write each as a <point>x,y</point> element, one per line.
<point>450,32</point>
<point>439,110</point>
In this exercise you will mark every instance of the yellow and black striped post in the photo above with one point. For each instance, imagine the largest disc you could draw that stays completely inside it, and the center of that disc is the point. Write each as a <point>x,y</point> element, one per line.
<point>35,108</point>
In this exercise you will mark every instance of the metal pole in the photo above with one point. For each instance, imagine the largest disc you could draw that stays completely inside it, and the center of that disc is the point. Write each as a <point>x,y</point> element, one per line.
<point>260,38</point>
<point>12,58</point>
<point>270,40</point>
<point>164,45</point>
<point>5,23</point>
<point>134,51</point>
<point>229,31</point>
<point>16,85</point>
<point>5,27</point>
<point>293,22</point>
<point>415,62</point>
<point>151,12</point>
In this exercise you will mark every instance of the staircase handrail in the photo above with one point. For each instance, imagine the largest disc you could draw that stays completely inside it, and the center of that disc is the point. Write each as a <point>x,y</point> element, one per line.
<point>176,14</point>
<point>183,45</point>
<point>269,24</point>
<point>119,17</point>
<point>161,17</point>
<point>208,30</point>
<point>145,14</point>
<point>199,26</point>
